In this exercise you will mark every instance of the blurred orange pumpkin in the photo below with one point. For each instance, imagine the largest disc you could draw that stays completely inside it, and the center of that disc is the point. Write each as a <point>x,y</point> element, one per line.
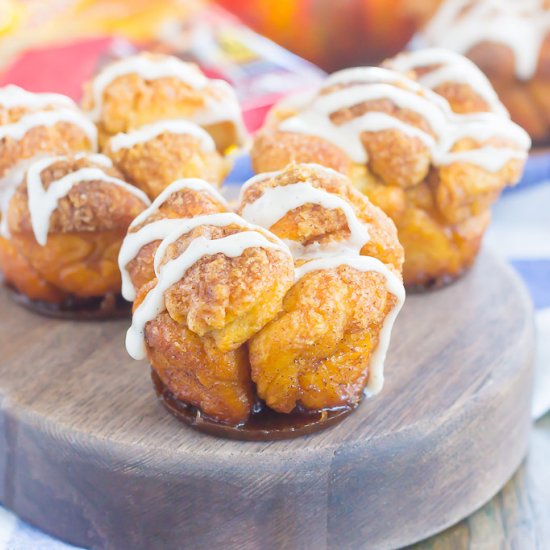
<point>336,33</point>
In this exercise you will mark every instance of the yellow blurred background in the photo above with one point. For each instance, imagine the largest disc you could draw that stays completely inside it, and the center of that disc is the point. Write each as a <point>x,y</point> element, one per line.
<point>330,33</point>
<point>30,23</point>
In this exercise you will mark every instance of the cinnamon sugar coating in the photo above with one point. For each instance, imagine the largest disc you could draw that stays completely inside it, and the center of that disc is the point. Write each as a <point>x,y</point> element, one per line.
<point>155,163</point>
<point>198,373</point>
<point>240,328</point>
<point>198,345</point>
<point>228,299</point>
<point>186,203</point>
<point>91,206</point>
<point>316,353</point>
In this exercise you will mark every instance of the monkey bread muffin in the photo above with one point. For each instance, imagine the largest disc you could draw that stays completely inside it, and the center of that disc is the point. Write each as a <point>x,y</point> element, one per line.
<point>33,125</point>
<point>161,119</point>
<point>66,221</point>
<point>434,163</point>
<point>145,88</point>
<point>285,305</point>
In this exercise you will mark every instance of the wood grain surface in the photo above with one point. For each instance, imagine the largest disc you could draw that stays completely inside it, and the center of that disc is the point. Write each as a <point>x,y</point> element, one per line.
<point>88,455</point>
<point>518,517</point>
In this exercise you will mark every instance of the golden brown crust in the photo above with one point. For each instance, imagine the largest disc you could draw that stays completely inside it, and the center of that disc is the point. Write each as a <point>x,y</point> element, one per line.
<point>78,264</point>
<point>316,353</point>
<point>395,157</point>
<point>197,346</point>
<point>91,206</point>
<point>272,150</point>
<point>526,100</point>
<point>437,253</point>
<point>309,342</point>
<point>463,190</point>
<point>462,97</point>
<point>156,163</point>
<point>20,274</point>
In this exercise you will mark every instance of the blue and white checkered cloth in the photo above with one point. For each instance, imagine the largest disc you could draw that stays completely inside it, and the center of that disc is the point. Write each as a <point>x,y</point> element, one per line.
<point>520,232</point>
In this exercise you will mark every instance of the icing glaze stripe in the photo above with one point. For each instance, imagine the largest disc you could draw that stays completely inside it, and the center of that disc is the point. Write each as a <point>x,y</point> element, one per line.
<point>151,131</point>
<point>172,271</point>
<point>18,129</point>
<point>14,96</point>
<point>43,202</point>
<point>276,202</point>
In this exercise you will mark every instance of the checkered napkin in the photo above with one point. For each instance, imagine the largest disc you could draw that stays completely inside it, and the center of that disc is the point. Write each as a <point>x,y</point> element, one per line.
<point>520,232</point>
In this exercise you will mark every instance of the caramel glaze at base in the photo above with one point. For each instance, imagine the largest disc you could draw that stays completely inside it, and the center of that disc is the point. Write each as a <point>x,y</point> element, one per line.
<point>264,424</point>
<point>110,306</point>
<point>436,283</point>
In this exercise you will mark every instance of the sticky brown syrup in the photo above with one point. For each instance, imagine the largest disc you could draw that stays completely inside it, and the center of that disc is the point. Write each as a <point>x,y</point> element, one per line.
<point>264,424</point>
<point>80,309</point>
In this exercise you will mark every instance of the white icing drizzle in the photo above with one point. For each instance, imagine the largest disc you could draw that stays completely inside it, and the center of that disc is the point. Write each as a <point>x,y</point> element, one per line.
<point>43,202</point>
<point>369,75</point>
<point>98,158</point>
<point>447,126</point>
<point>393,285</point>
<point>17,130</point>
<point>223,107</point>
<point>483,126</point>
<point>269,175</point>
<point>8,185</point>
<point>315,120</point>
<point>227,109</point>
<point>348,135</point>
<point>276,202</point>
<point>157,230</point>
<point>195,184</point>
<point>257,178</point>
<point>147,68</point>
<point>271,206</point>
<point>151,131</point>
<point>134,242</point>
<point>222,219</point>
<point>489,158</point>
<point>172,271</point>
<point>404,99</point>
<point>12,179</point>
<point>450,67</point>
<point>14,96</point>
<point>521,25</point>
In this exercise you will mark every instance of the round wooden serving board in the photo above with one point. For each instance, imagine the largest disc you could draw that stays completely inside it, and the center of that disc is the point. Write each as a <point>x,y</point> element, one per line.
<point>89,455</point>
